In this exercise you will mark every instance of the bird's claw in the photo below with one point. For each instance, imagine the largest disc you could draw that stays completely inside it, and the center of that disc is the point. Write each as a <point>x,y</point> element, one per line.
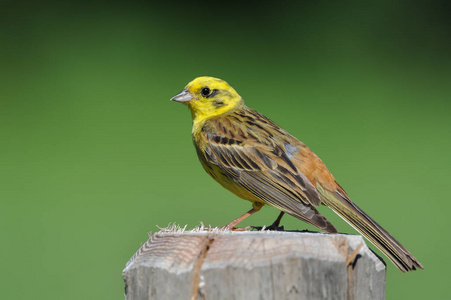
<point>272,227</point>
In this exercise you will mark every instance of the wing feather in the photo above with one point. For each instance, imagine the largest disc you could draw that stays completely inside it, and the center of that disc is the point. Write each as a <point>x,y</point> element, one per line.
<point>263,168</point>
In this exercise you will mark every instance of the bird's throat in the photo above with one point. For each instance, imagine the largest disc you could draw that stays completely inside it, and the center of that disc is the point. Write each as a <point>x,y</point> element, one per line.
<point>202,113</point>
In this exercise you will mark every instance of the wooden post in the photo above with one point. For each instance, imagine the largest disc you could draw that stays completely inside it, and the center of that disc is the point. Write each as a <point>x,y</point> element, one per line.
<point>219,264</point>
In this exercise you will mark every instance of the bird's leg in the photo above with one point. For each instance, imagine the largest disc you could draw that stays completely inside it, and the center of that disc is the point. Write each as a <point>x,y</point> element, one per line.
<point>277,221</point>
<point>274,226</point>
<point>256,207</point>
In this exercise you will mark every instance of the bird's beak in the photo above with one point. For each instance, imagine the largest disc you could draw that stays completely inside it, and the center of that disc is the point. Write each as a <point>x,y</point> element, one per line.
<point>183,96</point>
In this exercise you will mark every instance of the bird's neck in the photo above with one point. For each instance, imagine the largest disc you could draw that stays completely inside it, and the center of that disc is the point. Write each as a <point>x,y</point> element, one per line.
<point>203,114</point>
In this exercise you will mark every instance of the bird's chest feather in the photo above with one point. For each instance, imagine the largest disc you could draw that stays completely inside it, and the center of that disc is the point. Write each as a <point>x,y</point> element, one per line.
<point>207,159</point>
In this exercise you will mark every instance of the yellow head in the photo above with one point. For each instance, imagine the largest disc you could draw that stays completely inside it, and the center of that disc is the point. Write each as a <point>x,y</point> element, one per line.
<point>208,97</point>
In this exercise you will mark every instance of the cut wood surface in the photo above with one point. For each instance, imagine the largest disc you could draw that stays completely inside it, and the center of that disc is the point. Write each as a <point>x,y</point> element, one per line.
<point>222,264</point>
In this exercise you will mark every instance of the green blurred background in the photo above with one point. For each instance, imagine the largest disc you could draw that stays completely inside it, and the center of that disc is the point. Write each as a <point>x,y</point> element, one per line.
<point>94,156</point>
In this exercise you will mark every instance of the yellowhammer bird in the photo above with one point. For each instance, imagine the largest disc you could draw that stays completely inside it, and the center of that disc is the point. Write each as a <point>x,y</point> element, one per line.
<point>255,159</point>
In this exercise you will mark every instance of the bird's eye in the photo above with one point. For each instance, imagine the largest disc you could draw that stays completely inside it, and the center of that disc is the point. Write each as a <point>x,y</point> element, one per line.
<point>205,91</point>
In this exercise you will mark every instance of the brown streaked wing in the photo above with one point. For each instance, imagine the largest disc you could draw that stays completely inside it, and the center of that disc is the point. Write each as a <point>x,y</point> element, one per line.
<point>264,141</point>
<point>245,151</point>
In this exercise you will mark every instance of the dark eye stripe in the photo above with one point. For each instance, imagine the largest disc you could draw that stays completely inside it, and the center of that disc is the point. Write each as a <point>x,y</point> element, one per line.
<point>214,92</point>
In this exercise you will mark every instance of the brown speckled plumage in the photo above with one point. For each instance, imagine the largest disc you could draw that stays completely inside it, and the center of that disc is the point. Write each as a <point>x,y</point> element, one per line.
<point>259,161</point>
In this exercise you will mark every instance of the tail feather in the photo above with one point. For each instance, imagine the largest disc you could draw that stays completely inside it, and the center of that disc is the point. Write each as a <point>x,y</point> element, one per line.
<point>340,203</point>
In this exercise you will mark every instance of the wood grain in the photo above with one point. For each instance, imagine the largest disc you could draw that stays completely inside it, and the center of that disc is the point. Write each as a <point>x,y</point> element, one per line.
<point>220,264</point>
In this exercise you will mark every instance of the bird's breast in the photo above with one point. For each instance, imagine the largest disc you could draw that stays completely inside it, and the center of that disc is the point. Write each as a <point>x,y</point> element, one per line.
<point>207,159</point>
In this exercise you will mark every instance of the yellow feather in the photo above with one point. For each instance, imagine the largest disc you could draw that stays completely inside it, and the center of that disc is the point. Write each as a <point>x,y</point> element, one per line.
<point>202,108</point>
<point>255,159</point>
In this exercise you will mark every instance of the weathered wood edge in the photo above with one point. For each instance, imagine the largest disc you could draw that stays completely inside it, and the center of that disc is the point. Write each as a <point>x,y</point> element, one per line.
<point>351,247</point>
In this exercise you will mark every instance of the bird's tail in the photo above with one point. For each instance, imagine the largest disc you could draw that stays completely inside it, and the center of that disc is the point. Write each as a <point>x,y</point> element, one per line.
<point>340,203</point>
